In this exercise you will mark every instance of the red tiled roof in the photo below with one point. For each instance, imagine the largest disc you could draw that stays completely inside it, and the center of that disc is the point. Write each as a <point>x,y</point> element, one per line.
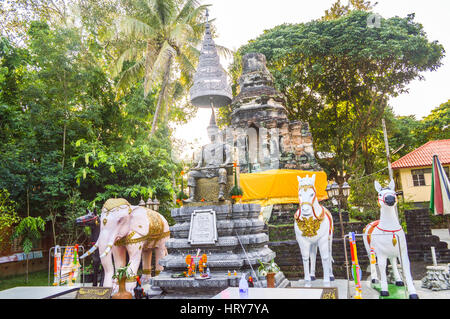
<point>423,156</point>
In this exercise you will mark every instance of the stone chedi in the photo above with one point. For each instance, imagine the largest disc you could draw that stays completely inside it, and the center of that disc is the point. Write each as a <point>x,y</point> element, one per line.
<point>257,100</point>
<point>272,140</point>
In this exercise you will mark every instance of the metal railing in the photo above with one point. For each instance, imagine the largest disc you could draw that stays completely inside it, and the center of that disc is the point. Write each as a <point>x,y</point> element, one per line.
<point>50,264</point>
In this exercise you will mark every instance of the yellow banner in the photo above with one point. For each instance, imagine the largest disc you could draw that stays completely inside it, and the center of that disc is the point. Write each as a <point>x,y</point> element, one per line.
<point>278,186</point>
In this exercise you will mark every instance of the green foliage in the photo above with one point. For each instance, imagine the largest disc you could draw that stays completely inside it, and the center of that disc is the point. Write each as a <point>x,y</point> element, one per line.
<point>270,267</point>
<point>28,231</point>
<point>123,272</point>
<point>436,125</point>
<point>8,218</point>
<point>408,133</point>
<point>67,144</point>
<point>338,10</point>
<point>365,216</point>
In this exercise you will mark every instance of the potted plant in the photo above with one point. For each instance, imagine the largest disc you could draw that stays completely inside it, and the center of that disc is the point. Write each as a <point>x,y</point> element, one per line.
<point>122,274</point>
<point>269,270</point>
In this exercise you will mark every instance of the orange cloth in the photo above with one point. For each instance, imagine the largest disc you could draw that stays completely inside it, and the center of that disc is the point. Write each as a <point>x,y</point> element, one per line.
<point>278,186</point>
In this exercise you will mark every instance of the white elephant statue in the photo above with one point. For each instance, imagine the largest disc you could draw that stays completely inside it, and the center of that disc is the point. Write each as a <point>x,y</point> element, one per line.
<point>134,230</point>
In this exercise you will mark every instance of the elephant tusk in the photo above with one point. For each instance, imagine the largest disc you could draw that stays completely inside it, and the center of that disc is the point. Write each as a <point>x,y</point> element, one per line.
<point>107,251</point>
<point>90,251</point>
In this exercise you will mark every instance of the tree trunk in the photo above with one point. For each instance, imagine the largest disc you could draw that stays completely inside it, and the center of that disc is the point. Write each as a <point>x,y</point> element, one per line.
<point>27,271</point>
<point>53,219</point>
<point>161,95</point>
<point>28,202</point>
<point>64,145</point>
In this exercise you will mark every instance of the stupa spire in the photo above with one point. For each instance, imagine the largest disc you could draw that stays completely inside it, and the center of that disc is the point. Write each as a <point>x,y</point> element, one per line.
<point>211,87</point>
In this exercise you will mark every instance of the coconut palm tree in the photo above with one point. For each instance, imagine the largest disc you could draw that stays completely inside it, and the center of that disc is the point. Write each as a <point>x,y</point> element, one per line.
<point>163,34</point>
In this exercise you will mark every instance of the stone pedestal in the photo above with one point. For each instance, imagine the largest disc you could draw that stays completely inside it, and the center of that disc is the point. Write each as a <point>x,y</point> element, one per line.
<point>437,278</point>
<point>236,224</point>
<point>208,189</point>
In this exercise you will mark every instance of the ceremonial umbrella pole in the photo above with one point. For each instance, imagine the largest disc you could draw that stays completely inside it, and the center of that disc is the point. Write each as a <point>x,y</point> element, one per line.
<point>440,190</point>
<point>356,269</point>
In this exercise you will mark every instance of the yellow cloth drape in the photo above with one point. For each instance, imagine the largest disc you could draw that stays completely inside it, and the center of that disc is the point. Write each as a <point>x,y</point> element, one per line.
<point>278,186</point>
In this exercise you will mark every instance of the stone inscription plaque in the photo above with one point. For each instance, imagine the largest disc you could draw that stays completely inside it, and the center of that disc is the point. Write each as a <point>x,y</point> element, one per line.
<point>203,230</point>
<point>94,293</point>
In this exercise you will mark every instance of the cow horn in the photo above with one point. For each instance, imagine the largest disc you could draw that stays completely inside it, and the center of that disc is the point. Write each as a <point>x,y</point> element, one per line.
<point>90,251</point>
<point>107,251</point>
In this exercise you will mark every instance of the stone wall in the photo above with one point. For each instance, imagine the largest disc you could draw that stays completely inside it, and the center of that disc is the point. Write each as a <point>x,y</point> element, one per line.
<point>420,239</point>
<point>18,268</point>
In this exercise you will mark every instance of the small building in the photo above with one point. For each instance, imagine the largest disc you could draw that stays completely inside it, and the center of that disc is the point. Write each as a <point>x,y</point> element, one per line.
<point>412,172</point>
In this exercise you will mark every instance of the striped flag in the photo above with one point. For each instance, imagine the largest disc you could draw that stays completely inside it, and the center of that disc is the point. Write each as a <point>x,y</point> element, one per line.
<point>440,189</point>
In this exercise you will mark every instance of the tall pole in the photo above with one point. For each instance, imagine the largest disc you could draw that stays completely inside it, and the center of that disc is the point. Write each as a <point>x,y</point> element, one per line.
<point>342,232</point>
<point>388,155</point>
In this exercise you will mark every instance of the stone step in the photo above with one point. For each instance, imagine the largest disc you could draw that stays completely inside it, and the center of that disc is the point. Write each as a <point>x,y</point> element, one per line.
<point>226,242</point>
<point>224,260</point>
<point>224,227</point>
<point>236,211</point>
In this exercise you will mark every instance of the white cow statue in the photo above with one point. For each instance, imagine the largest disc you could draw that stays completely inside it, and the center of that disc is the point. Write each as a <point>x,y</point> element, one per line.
<point>313,228</point>
<point>386,239</point>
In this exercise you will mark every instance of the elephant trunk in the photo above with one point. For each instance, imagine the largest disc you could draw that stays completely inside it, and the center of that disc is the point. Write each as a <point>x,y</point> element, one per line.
<point>90,251</point>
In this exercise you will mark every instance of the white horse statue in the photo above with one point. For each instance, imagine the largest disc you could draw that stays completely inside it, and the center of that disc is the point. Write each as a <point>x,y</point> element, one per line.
<point>313,228</point>
<point>386,245</point>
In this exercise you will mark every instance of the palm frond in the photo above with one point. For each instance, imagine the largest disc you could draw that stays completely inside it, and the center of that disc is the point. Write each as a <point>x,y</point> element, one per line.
<point>130,76</point>
<point>180,34</point>
<point>133,27</point>
<point>164,9</point>
<point>224,51</point>
<point>189,8</point>
<point>130,54</point>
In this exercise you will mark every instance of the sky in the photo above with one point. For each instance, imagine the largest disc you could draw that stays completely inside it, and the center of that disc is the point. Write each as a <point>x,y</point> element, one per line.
<point>238,21</point>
